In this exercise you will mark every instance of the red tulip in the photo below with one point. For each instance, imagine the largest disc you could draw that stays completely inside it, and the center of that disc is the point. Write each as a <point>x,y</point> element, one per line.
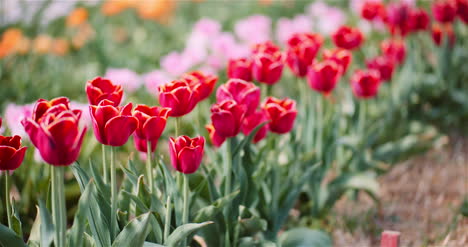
<point>179,96</point>
<point>151,124</point>
<point>396,16</point>
<point>418,20</point>
<point>186,153</point>
<point>365,83</point>
<point>268,62</point>
<point>216,139</point>
<point>201,83</point>
<point>462,10</point>
<point>240,68</point>
<point>100,89</point>
<point>281,114</point>
<point>302,49</point>
<point>384,65</point>
<point>341,56</point>
<point>244,93</point>
<point>348,38</point>
<point>444,11</point>
<point>227,117</point>
<point>324,76</point>
<point>394,49</point>
<point>54,131</point>
<point>439,33</point>
<point>11,152</point>
<point>113,125</point>
<point>251,122</point>
<point>371,9</point>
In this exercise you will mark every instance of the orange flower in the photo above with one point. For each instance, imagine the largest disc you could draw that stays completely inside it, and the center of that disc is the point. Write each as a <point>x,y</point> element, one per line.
<point>23,46</point>
<point>85,33</point>
<point>114,7</point>
<point>60,47</point>
<point>10,38</point>
<point>158,10</point>
<point>42,44</point>
<point>77,17</point>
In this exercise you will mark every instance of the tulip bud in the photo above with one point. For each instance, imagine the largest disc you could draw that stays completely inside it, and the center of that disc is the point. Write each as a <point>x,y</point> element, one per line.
<point>11,152</point>
<point>365,83</point>
<point>439,33</point>
<point>54,130</point>
<point>371,9</point>
<point>348,38</point>
<point>396,16</point>
<point>240,68</point>
<point>215,138</point>
<point>186,153</point>
<point>251,122</point>
<point>113,125</point>
<point>394,49</point>
<point>151,124</point>
<point>179,97</point>
<point>201,83</point>
<point>281,114</point>
<point>100,89</point>
<point>244,93</point>
<point>324,76</point>
<point>302,49</point>
<point>341,56</point>
<point>444,11</point>
<point>268,62</point>
<point>384,65</point>
<point>227,117</point>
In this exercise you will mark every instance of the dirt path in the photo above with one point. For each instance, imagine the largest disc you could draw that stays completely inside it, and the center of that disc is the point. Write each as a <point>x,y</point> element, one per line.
<point>420,198</point>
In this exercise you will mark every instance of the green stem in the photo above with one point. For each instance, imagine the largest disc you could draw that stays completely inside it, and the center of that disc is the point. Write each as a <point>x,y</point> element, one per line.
<point>104,165</point>
<point>167,225</point>
<point>227,191</point>
<point>113,180</point>
<point>177,126</point>
<point>185,212</point>
<point>149,169</point>
<point>320,113</point>
<point>58,205</point>
<point>7,198</point>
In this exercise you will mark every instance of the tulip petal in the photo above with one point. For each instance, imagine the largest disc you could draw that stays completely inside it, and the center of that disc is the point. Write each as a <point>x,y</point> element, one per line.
<point>190,159</point>
<point>119,129</point>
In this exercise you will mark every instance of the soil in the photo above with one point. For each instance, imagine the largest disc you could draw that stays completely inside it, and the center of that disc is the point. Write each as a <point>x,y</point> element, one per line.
<point>420,198</point>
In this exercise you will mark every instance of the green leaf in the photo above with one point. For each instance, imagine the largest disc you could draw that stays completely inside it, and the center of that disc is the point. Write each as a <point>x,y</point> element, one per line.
<point>134,233</point>
<point>47,226</point>
<point>148,244</point>
<point>79,223</point>
<point>303,237</point>
<point>182,232</point>
<point>253,225</point>
<point>209,212</point>
<point>35,235</point>
<point>17,225</point>
<point>9,238</point>
<point>81,176</point>
<point>247,139</point>
<point>97,222</point>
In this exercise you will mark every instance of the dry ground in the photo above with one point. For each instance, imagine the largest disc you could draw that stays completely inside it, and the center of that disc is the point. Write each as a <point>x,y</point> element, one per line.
<point>420,198</point>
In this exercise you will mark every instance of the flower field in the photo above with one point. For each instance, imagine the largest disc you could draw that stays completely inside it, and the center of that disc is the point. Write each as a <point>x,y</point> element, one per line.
<point>228,123</point>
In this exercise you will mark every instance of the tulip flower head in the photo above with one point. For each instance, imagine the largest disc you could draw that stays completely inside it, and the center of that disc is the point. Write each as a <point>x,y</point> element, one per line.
<point>54,130</point>
<point>384,65</point>
<point>394,49</point>
<point>396,16</point>
<point>113,125</point>
<point>151,124</point>
<point>444,11</point>
<point>342,57</point>
<point>371,9</point>
<point>418,20</point>
<point>201,83</point>
<point>441,32</point>
<point>242,92</point>
<point>179,97</point>
<point>302,49</point>
<point>11,152</point>
<point>100,89</point>
<point>227,117</point>
<point>365,83</point>
<point>240,68</point>
<point>186,153</point>
<point>462,10</point>
<point>215,138</point>
<point>281,114</point>
<point>268,63</point>
<point>324,76</point>
<point>251,122</point>
<point>348,38</point>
